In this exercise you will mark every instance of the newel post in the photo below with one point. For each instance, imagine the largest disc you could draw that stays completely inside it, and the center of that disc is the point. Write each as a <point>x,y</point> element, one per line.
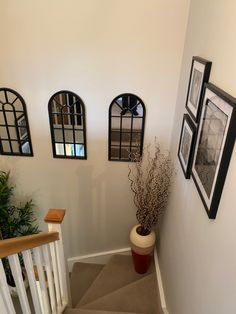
<point>54,219</point>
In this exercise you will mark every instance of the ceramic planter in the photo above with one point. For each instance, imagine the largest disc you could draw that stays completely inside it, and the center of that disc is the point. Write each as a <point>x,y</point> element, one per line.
<point>142,247</point>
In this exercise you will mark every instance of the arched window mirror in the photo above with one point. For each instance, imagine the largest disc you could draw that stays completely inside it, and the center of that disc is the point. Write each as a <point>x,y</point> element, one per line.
<point>126,126</point>
<point>14,127</point>
<point>67,121</point>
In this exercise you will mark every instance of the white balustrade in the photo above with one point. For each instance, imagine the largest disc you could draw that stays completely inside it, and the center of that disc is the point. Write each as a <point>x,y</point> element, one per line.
<point>19,282</point>
<point>62,268</point>
<point>55,273</point>
<point>42,254</point>
<point>32,280</point>
<point>42,280</point>
<point>6,305</point>
<point>48,267</point>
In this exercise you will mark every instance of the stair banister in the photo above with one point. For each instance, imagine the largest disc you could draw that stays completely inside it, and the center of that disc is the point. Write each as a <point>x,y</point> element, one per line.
<point>45,252</point>
<point>54,219</point>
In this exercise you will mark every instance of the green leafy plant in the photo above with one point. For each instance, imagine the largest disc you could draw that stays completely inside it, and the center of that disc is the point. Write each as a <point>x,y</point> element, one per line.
<point>15,219</point>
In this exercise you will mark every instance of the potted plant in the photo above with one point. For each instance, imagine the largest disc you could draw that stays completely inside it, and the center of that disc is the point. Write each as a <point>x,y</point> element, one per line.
<point>15,220</point>
<point>150,178</point>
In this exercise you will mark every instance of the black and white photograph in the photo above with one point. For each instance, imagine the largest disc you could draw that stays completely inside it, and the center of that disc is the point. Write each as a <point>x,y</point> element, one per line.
<point>200,72</point>
<point>186,145</point>
<point>214,145</point>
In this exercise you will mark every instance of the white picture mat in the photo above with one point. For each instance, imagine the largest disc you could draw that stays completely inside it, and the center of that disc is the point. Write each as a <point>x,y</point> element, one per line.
<point>227,109</point>
<point>200,67</point>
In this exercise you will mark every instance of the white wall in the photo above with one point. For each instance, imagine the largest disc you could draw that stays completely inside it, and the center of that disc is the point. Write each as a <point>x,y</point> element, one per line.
<point>197,255</point>
<point>97,49</point>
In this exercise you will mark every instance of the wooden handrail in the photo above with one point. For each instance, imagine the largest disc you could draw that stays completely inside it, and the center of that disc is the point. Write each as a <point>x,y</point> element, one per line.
<point>19,244</point>
<point>55,216</point>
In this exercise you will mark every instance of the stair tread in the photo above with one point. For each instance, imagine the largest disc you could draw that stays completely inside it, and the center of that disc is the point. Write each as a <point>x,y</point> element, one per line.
<point>84,311</point>
<point>138,297</point>
<point>82,276</point>
<point>117,273</point>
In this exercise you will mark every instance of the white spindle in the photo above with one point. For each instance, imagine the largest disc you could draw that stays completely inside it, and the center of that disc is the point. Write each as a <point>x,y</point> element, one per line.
<point>32,281</point>
<point>3,308</point>
<point>63,272</point>
<point>42,282</point>
<point>55,273</point>
<point>6,305</point>
<point>18,278</point>
<point>48,267</point>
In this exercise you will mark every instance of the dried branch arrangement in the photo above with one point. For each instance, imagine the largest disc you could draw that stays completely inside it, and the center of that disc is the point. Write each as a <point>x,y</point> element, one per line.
<point>150,178</point>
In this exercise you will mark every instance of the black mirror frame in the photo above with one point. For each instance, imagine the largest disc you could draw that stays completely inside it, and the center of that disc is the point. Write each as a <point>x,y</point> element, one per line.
<point>52,127</point>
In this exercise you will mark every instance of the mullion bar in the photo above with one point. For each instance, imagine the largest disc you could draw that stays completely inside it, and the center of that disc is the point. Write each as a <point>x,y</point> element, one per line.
<point>120,136</point>
<point>131,134</point>
<point>9,125</point>
<point>73,128</point>
<point>7,110</point>
<point>6,97</point>
<point>7,129</point>
<point>118,105</point>
<point>17,129</point>
<point>127,117</point>
<point>14,101</point>
<point>63,132</point>
<point>69,113</point>
<point>9,140</point>
<point>67,99</point>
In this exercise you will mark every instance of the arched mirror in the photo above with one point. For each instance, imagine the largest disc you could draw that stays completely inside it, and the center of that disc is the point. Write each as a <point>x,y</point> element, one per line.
<point>67,121</point>
<point>126,127</point>
<point>14,127</point>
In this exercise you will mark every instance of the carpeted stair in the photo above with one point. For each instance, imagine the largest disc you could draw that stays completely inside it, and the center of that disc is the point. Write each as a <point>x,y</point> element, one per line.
<point>114,288</point>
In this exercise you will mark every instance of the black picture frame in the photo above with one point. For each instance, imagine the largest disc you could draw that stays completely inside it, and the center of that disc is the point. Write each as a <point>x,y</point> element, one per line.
<point>199,75</point>
<point>186,145</point>
<point>214,145</point>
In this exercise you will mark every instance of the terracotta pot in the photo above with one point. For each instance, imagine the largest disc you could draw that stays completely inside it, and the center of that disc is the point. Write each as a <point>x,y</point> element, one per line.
<point>142,247</point>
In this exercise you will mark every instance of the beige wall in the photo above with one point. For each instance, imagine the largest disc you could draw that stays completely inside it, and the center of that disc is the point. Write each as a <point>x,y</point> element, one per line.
<point>197,255</point>
<point>97,49</point>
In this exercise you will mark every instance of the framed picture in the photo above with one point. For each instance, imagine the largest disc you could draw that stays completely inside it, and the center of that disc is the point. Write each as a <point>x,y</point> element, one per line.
<point>199,74</point>
<point>186,145</point>
<point>21,124</point>
<point>214,146</point>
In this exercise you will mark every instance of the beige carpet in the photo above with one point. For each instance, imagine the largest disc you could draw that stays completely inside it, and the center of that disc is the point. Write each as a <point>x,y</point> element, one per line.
<point>83,275</point>
<point>116,288</point>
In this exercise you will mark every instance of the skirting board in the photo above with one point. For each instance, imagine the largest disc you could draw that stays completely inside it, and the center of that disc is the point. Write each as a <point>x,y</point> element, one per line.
<point>103,257</point>
<point>160,285</point>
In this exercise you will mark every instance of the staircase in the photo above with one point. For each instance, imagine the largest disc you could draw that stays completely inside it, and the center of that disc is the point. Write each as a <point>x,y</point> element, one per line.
<point>100,289</point>
<point>113,288</point>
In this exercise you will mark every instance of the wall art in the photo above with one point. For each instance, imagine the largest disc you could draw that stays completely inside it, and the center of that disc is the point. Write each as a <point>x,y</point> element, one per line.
<point>214,146</point>
<point>199,74</point>
<point>186,145</point>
